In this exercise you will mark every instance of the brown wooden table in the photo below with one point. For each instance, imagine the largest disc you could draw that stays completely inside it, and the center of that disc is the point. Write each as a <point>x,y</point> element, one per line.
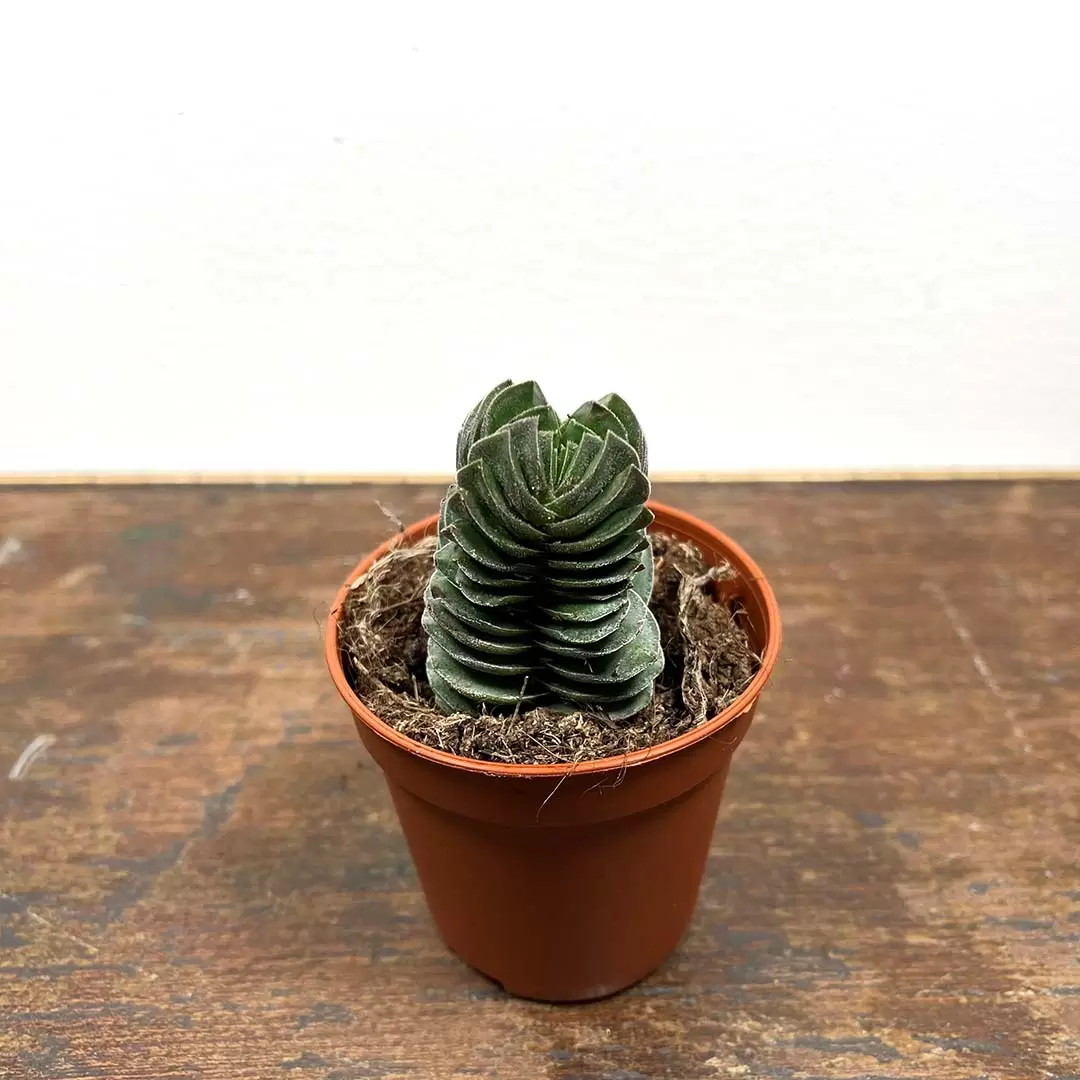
<point>202,876</point>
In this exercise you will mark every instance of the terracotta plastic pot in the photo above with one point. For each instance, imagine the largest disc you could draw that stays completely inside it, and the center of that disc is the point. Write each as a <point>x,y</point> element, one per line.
<point>567,883</point>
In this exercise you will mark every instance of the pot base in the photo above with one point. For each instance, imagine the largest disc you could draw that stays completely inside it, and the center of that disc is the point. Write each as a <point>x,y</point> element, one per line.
<point>596,994</point>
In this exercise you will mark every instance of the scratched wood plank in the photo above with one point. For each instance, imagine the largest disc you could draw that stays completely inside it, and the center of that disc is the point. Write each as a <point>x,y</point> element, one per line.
<point>202,877</point>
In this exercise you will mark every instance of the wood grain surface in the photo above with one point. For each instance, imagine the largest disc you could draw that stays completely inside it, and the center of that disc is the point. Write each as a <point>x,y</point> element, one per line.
<point>201,875</point>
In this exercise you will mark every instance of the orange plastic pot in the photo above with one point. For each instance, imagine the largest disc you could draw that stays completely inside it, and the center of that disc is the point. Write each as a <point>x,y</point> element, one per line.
<point>568,883</point>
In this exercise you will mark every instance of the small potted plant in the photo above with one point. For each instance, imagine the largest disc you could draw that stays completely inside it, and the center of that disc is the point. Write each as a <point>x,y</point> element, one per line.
<point>553,674</point>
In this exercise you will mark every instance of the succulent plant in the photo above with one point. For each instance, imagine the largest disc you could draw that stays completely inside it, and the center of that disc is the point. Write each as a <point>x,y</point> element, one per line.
<point>543,571</point>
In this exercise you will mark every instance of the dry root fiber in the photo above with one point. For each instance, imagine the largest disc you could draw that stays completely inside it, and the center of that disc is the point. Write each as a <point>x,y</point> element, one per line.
<point>708,662</point>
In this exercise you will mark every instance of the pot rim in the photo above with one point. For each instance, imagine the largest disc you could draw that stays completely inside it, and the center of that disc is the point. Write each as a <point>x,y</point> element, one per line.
<point>677,518</point>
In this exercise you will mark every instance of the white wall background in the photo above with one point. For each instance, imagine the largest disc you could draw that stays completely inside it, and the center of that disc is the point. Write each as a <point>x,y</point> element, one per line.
<point>810,236</point>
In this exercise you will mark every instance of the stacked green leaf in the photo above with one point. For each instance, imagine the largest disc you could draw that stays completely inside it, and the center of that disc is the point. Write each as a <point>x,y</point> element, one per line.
<point>543,571</point>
